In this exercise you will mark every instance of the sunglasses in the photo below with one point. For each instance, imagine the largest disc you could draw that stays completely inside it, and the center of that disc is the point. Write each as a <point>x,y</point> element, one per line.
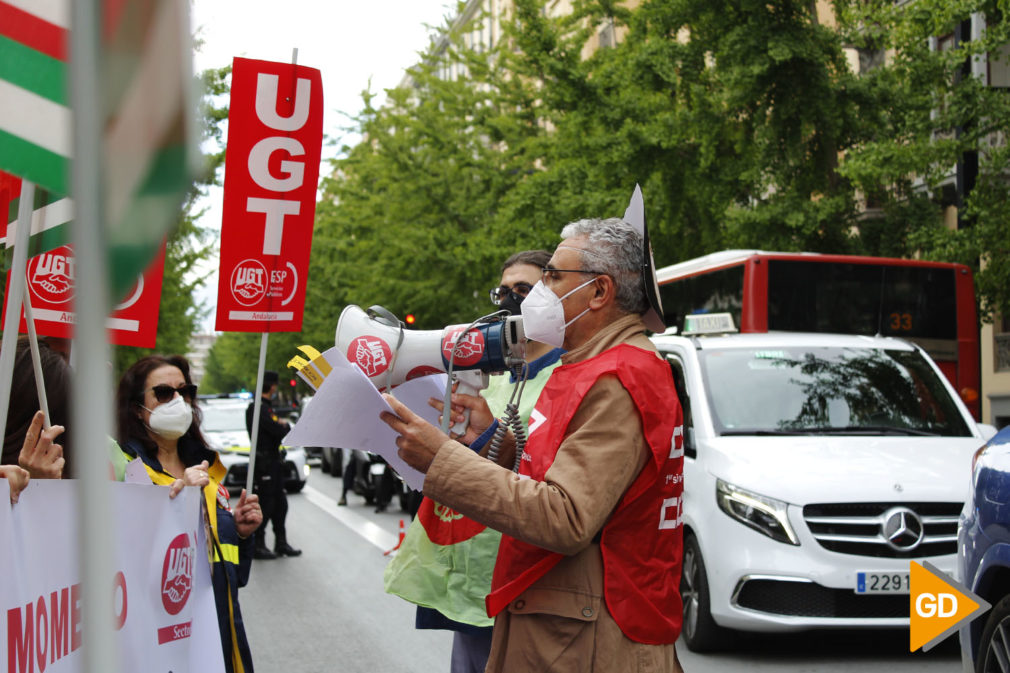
<point>518,292</point>
<point>164,393</point>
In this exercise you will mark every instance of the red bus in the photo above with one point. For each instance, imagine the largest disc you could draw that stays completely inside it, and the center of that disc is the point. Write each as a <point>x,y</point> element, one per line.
<point>929,303</point>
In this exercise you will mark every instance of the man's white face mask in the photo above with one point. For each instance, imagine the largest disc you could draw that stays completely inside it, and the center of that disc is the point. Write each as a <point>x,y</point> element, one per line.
<point>172,419</point>
<point>544,315</point>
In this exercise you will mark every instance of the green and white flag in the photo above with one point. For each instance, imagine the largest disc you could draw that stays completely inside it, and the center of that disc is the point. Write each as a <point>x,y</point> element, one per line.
<point>35,141</point>
<point>149,149</point>
<point>151,140</point>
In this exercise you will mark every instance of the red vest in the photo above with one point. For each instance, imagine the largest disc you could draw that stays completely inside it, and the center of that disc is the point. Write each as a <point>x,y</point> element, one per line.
<point>641,542</point>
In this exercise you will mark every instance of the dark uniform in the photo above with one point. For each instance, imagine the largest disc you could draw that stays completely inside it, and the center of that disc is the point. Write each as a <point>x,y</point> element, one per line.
<point>268,476</point>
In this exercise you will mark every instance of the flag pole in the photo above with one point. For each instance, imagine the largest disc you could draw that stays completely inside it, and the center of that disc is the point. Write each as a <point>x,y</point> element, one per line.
<point>33,343</point>
<point>257,403</point>
<point>92,386</point>
<point>14,295</point>
<point>258,399</point>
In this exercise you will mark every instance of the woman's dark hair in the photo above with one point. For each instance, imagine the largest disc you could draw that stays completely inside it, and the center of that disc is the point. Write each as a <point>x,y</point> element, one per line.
<point>24,401</point>
<point>537,258</point>
<point>130,397</point>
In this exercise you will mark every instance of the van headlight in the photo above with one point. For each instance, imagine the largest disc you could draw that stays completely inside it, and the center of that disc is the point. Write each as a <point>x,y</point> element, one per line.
<point>763,514</point>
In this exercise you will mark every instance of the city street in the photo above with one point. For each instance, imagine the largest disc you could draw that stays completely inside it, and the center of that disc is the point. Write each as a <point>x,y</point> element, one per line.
<point>326,610</point>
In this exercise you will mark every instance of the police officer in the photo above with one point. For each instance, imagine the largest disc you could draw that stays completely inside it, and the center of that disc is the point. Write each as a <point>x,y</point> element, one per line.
<point>268,479</point>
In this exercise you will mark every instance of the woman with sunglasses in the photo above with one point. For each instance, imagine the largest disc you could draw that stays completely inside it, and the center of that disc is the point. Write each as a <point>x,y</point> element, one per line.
<point>159,422</point>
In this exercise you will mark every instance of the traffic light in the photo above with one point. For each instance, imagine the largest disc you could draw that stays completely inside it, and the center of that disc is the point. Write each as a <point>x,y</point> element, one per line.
<point>409,318</point>
<point>294,383</point>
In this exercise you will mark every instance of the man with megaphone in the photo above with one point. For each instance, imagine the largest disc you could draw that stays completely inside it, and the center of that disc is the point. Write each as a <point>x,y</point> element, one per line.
<point>589,565</point>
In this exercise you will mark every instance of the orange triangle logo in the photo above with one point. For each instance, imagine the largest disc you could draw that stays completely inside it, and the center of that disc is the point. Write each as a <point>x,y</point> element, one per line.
<point>938,606</point>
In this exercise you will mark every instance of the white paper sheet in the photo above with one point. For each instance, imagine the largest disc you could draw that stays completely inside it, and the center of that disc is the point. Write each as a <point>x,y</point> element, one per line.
<point>345,414</point>
<point>135,473</point>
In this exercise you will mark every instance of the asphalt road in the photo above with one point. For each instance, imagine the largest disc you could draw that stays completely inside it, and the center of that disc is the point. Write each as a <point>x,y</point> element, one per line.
<point>326,611</point>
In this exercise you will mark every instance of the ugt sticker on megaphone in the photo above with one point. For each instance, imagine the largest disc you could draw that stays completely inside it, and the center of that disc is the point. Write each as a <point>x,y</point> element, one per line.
<point>939,606</point>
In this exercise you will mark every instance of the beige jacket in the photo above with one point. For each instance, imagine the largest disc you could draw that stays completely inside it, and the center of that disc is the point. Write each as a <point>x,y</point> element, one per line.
<point>561,622</point>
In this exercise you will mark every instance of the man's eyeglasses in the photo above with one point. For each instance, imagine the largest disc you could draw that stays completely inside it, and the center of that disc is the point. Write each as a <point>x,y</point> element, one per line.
<point>518,292</point>
<point>164,393</point>
<point>548,273</point>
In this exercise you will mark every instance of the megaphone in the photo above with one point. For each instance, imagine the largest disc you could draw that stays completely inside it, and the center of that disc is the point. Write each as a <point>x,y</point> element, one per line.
<point>388,354</point>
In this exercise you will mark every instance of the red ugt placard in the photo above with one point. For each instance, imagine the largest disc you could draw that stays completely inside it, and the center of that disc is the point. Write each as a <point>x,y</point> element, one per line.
<point>50,281</point>
<point>275,137</point>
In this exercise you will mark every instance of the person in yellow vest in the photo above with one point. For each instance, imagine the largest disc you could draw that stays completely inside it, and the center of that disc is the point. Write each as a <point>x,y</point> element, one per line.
<point>158,421</point>
<point>587,573</point>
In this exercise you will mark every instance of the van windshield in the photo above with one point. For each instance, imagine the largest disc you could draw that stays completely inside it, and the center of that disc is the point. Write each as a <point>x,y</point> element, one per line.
<point>223,418</point>
<point>856,391</point>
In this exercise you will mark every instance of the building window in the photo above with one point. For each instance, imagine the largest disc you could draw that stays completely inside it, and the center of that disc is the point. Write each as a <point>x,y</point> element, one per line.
<point>1002,338</point>
<point>870,59</point>
<point>1000,411</point>
<point>607,35</point>
<point>999,68</point>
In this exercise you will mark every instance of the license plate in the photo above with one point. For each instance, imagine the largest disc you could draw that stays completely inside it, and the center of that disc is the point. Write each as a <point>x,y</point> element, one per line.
<point>882,583</point>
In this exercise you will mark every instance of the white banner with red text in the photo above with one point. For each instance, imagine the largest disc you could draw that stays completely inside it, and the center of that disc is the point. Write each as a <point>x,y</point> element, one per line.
<point>163,608</point>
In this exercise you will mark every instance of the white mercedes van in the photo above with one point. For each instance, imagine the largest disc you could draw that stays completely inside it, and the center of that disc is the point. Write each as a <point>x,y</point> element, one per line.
<point>816,468</point>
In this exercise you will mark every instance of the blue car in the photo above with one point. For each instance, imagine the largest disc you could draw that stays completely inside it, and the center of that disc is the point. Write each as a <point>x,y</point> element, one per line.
<point>983,544</point>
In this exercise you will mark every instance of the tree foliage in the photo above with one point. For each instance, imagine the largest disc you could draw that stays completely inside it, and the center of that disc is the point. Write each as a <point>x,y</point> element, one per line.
<point>935,113</point>
<point>747,123</point>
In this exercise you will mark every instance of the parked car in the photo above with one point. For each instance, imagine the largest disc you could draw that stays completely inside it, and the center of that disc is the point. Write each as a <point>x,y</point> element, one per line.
<point>816,466</point>
<point>983,543</point>
<point>224,427</point>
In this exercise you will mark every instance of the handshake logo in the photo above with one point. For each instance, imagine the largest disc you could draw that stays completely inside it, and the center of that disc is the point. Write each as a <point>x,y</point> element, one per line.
<point>51,276</point>
<point>177,574</point>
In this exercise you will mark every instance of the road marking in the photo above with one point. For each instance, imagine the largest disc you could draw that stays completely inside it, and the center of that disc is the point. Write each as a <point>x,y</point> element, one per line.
<point>371,532</point>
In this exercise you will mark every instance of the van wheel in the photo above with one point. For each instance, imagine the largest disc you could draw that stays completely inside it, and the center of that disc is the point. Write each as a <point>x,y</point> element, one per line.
<point>699,630</point>
<point>994,646</point>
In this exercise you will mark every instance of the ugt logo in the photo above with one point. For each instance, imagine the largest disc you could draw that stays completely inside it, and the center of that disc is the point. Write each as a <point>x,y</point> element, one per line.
<point>51,275</point>
<point>177,574</point>
<point>371,354</point>
<point>249,282</point>
<point>469,350</point>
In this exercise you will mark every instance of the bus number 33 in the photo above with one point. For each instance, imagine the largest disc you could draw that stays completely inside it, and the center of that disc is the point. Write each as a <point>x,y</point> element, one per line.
<point>901,322</point>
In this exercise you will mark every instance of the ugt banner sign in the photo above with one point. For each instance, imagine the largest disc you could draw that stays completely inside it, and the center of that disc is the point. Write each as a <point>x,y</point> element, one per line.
<point>275,136</point>
<point>50,281</point>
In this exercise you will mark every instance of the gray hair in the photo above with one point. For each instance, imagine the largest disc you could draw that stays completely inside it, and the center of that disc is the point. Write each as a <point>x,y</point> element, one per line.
<point>616,250</point>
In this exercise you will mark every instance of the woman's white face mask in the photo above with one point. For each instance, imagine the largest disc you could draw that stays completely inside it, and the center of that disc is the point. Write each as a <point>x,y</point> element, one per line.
<point>544,314</point>
<point>172,419</point>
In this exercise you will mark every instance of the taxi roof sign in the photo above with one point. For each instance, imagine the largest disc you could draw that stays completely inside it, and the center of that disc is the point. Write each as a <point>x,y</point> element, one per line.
<point>708,323</point>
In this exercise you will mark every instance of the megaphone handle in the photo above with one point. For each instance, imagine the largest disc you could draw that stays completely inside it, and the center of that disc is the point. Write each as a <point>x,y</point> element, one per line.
<point>471,382</point>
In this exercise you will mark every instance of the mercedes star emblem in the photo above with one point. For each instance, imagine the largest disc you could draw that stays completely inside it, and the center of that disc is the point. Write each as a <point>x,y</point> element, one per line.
<point>901,528</point>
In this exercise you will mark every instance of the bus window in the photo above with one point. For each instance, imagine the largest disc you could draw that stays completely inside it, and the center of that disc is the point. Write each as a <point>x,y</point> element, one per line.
<point>891,300</point>
<point>929,303</point>
<point>718,291</point>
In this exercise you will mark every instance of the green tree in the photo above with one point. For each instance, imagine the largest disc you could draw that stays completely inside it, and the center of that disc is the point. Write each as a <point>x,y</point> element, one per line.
<point>233,359</point>
<point>743,121</point>
<point>409,216</point>
<point>934,113</point>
